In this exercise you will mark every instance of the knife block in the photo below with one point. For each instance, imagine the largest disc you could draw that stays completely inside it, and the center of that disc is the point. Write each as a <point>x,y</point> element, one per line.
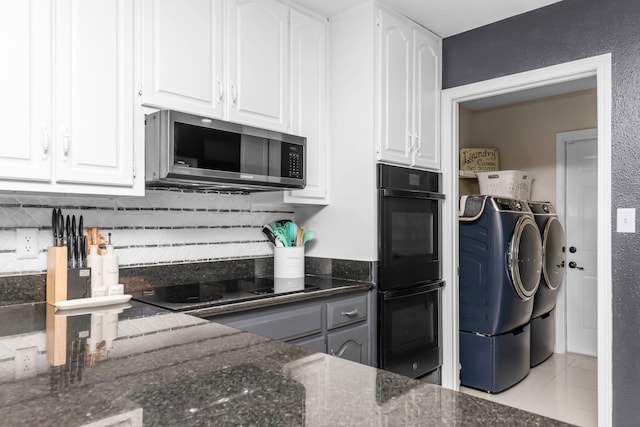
<point>56,337</point>
<point>56,274</point>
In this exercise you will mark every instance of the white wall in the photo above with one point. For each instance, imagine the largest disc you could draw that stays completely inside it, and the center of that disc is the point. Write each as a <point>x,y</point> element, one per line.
<point>525,134</point>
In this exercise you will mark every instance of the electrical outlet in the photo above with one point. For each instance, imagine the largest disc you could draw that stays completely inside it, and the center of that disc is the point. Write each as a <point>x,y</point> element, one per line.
<point>25,362</point>
<point>27,243</point>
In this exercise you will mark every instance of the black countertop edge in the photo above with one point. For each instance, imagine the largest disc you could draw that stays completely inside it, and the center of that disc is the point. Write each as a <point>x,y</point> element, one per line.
<point>342,287</point>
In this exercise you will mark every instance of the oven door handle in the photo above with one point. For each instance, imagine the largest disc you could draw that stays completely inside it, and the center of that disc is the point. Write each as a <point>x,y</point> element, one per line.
<point>406,194</point>
<point>410,291</point>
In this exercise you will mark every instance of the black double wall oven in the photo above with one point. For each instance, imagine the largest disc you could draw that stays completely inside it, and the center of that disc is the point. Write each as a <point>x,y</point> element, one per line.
<point>409,272</point>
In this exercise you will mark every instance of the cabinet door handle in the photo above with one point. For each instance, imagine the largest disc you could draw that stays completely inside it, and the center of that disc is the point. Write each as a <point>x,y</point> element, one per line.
<point>410,141</point>
<point>45,141</point>
<point>220,90</point>
<point>418,145</point>
<point>234,93</point>
<point>66,141</point>
<point>352,313</point>
<point>344,347</point>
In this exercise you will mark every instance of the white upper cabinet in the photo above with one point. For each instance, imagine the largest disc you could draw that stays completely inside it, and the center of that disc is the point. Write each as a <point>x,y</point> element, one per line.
<point>182,56</point>
<point>426,101</point>
<point>95,92</point>
<point>395,44</point>
<point>227,60</point>
<point>81,140</point>
<point>409,84</point>
<point>25,84</point>
<point>259,63</point>
<point>308,104</point>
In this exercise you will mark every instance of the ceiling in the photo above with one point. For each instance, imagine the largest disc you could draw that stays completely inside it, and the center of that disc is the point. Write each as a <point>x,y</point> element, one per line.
<point>531,94</point>
<point>443,17</point>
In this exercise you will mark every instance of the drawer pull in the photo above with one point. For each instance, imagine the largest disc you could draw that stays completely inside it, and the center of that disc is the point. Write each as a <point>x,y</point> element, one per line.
<point>352,313</point>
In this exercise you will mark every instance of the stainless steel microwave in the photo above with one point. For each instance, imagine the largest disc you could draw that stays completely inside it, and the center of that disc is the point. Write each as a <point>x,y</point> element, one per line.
<point>185,150</point>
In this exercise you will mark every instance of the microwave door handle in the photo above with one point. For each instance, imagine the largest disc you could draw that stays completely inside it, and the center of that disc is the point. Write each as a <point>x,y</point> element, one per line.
<point>426,195</point>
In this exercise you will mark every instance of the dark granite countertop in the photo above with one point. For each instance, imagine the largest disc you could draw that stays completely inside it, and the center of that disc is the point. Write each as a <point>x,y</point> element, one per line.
<point>173,369</point>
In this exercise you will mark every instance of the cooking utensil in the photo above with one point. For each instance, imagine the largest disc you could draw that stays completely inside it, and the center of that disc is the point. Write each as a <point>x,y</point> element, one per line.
<point>308,235</point>
<point>291,229</point>
<point>280,233</point>
<point>68,242</point>
<point>60,228</point>
<point>82,244</point>
<point>267,231</point>
<point>73,247</point>
<point>299,237</point>
<point>54,227</point>
<point>67,229</point>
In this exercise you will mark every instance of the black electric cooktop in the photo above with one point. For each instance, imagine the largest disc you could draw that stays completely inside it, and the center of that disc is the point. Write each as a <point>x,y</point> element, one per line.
<point>191,296</point>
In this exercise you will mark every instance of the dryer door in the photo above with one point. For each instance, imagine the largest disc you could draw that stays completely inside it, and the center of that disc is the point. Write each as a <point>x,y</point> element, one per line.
<point>525,258</point>
<point>553,253</point>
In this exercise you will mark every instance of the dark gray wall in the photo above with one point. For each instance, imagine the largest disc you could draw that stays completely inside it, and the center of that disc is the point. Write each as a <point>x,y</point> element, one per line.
<point>562,32</point>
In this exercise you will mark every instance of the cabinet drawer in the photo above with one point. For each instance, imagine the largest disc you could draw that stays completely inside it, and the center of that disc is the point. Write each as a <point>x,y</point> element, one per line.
<point>282,324</point>
<point>346,311</point>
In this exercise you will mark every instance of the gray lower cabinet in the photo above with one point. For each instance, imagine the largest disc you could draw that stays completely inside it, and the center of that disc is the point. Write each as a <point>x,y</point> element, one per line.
<point>315,343</point>
<point>285,325</point>
<point>336,325</point>
<point>350,343</point>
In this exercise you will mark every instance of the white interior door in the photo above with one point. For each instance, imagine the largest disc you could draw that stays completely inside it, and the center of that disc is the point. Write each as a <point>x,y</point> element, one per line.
<point>580,226</point>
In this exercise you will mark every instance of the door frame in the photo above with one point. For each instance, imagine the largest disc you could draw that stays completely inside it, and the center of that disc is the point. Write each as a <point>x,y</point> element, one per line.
<point>562,138</point>
<point>600,67</point>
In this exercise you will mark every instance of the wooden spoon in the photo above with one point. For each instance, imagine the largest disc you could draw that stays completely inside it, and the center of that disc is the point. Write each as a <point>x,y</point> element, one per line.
<point>299,237</point>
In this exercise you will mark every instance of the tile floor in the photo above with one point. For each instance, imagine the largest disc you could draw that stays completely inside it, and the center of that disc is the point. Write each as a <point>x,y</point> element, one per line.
<point>563,387</point>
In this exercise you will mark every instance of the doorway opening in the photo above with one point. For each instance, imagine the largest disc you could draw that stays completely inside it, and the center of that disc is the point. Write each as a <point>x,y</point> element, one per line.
<point>596,67</point>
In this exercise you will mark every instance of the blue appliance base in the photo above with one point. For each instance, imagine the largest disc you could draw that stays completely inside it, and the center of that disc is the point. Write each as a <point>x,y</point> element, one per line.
<point>543,336</point>
<point>494,363</point>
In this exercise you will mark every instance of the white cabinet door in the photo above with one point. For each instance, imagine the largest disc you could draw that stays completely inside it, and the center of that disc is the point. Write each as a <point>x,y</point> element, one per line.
<point>395,85</point>
<point>25,84</point>
<point>426,111</point>
<point>308,104</point>
<point>258,63</point>
<point>182,56</point>
<point>94,92</point>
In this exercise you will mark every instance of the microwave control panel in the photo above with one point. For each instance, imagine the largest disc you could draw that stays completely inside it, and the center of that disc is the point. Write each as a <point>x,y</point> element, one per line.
<point>292,160</point>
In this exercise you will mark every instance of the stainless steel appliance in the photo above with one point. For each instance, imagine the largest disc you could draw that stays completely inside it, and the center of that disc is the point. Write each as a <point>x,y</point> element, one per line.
<point>409,271</point>
<point>185,150</point>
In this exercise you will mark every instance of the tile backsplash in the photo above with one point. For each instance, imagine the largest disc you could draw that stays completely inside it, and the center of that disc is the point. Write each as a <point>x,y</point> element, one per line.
<point>164,227</point>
